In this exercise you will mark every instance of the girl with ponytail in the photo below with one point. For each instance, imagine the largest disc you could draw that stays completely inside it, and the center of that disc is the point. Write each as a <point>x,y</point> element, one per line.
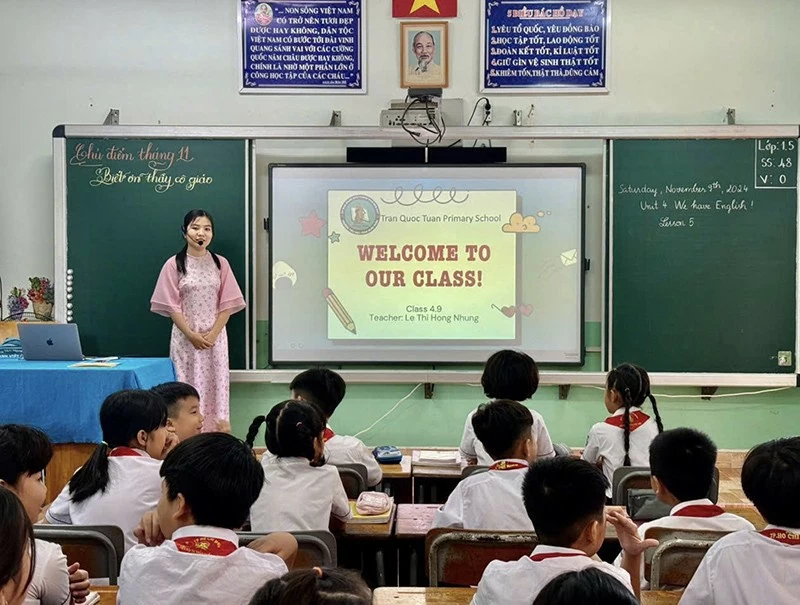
<point>197,290</point>
<point>120,482</point>
<point>315,586</point>
<point>300,493</point>
<point>623,439</point>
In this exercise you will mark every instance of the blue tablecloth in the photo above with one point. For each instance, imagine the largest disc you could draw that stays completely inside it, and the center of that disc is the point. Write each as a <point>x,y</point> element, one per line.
<point>65,402</point>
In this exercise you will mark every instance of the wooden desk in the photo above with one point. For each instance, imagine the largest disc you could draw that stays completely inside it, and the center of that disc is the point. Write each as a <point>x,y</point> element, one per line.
<point>108,594</point>
<point>661,597</point>
<point>376,531</point>
<point>414,520</point>
<point>372,538</point>
<point>397,471</point>
<point>422,596</point>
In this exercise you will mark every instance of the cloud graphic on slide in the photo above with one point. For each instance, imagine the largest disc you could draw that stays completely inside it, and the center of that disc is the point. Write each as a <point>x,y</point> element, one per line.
<point>517,224</point>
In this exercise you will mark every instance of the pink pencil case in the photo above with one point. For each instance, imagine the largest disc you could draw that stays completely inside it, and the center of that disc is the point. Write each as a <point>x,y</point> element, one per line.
<point>373,503</point>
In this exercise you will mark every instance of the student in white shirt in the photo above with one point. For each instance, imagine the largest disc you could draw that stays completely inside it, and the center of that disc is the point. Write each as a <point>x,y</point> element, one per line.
<point>210,482</point>
<point>326,389</point>
<point>682,463</point>
<point>17,549</point>
<point>623,439</point>
<point>754,568</point>
<point>565,500</point>
<point>589,585</point>
<point>493,500</point>
<point>24,454</point>
<point>184,418</point>
<point>301,492</point>
<point>331,586</point>
<point>120,482</point>
<point>507,375</point>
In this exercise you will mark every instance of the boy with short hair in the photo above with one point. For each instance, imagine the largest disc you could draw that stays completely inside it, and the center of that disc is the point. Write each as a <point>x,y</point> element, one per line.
<point>493,500</point>
<point>325,389</point>
<point>750,567</point>
<point>184,418</point>
<point>209,484</point>
<point>682,463</point>
<point>565,500</point>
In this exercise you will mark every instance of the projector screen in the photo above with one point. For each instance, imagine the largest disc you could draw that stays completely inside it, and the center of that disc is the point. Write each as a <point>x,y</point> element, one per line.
<point>425,264</point>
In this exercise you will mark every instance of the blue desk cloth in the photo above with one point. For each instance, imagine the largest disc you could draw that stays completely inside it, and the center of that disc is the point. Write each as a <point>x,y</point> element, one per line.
<point>65,402</point>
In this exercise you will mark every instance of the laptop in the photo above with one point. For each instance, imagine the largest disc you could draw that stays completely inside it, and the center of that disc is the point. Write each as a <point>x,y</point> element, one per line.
<point>50,342</point>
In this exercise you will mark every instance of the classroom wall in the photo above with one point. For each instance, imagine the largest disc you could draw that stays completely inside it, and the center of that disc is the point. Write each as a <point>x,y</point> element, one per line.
<point>671,62</point>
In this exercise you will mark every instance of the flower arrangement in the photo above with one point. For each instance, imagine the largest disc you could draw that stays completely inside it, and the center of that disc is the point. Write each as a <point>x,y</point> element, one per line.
<point>17,303</point>
<point>41,291</point>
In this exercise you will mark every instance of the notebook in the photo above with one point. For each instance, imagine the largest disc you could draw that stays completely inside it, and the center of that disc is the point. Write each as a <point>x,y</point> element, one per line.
<point>436,458</point>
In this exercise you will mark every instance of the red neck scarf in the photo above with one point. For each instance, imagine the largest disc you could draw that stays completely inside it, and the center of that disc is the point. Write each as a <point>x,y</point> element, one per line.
<point>700,510</point>
<point>555,555</point>
<point>119,452</point>
<point>782,535</point>
<point>638,418</point>
<point>327,435</point>
<point>205,546</point>
<point>507,465</point>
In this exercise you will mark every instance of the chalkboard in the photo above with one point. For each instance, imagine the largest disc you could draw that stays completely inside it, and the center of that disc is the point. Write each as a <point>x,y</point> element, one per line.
<point>126,199</point>
<point>703,254</point>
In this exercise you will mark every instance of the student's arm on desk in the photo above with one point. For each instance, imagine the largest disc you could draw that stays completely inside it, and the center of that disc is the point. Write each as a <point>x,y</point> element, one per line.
<point>282,544</point>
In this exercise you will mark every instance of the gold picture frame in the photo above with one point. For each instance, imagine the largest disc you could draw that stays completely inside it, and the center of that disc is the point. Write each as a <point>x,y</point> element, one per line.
<point>424,54</point>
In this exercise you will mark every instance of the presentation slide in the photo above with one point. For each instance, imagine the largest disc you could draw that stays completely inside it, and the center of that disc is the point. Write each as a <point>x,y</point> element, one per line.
<point>433,264</point>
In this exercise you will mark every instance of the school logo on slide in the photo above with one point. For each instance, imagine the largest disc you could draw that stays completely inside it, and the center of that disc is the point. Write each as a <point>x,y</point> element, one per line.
<point>360,214</point>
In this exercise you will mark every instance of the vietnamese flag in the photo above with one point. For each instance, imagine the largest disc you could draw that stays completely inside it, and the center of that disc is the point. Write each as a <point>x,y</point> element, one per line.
<point>425,9</point>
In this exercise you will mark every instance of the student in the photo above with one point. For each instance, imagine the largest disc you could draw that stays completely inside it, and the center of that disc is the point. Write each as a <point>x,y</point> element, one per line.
<point>24,454</point>
<point>184,418</point>
<point>300,492</point>
<point>507,375</point>
<point>197,290</point>
<point>589,585</point>
<point>17,550</point>
<point>749,567</point>
<point>565,500</point>
<point>210,482</point>
<point>682,463</point>
<point>120,482</point>
<point>623,439</point>
<point>493,500</point>
<point>316,586</point>
<point>326,389</point>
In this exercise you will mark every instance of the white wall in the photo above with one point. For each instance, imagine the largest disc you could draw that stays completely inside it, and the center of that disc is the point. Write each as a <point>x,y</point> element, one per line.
<point>175,62</point>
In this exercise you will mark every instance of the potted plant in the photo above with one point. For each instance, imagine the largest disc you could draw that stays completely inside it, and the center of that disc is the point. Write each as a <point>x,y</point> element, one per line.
<point>17,303</point>
<point>41,294</point>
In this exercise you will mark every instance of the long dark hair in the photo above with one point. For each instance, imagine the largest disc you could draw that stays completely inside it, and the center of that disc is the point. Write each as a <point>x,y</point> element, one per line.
<point>16,536</point>
<point>180,257</point>
<point>633,385</point>
<point>122,415</point>
<point>292,427</point>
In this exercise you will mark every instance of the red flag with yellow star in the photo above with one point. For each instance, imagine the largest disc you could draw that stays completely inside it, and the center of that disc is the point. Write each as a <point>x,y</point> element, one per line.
<point>425,9</point>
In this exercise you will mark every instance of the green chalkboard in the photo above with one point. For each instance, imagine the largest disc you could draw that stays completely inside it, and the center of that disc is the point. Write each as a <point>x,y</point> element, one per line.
<point>703,242</point>
<point>126,199</point>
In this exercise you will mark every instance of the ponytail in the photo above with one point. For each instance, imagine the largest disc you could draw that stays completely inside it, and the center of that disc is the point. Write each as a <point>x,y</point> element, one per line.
<point>659,424</point>
<point>252,432</point>
<point>92,477</point>
<point>122,415</point>
<point>647,394</point>
<point>180,259</point>
<point>292,429</point>
<point>627,427</point>
<point>321,586</point>
<point>629,382</point>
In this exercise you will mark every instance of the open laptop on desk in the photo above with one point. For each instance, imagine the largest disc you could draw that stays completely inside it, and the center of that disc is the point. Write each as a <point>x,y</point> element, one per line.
<point>50,342</point>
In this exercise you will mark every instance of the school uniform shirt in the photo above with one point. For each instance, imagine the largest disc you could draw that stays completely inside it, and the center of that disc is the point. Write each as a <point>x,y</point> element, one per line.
<point>134,488</point>
<point>50,582</point>
<point>199,565</point>
<point>342,449</point>
<point>701,514</point>
<point>298,497</point>
<point>747,568</point>
<point>519,582</point>
<point>490,500</point>
<point>607,439</point>
<point>471,446</point>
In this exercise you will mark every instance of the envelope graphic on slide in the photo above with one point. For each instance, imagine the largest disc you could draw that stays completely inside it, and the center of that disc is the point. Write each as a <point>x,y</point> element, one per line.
<point>570,257</point>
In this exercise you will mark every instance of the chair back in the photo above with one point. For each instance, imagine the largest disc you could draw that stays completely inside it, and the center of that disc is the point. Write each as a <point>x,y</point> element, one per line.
<point>354,478</point>
<point>98,548</point>
<point>562,449</point>
<point>638,477</point>
<point>675,563</point>
<point>664,535</point>
<point>473,469</point>
<point>458,557</point>
<point>314,548</point>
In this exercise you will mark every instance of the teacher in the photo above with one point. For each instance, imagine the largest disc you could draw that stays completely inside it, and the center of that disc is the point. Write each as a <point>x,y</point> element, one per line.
<point>197,290</point>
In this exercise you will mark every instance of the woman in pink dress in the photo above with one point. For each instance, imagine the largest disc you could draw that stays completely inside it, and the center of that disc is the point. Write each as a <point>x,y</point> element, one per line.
<point>198,292</point>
